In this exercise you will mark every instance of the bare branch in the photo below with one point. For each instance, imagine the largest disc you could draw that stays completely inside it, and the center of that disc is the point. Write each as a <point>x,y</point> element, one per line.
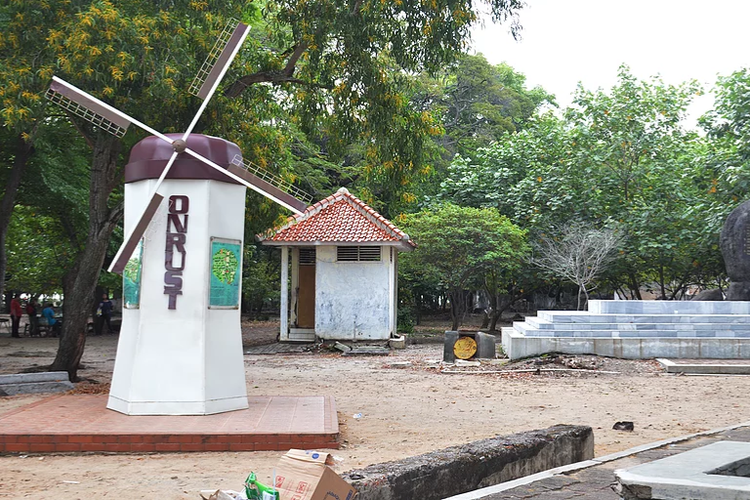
<point>579,255</point>
<point>285,75</point>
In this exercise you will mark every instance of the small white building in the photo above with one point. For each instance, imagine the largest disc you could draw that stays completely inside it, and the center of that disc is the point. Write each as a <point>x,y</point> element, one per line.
<point>344,271</point>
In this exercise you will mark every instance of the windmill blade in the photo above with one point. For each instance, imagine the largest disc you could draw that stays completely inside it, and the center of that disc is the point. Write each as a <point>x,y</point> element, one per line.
<point>87,107</point>
<point>239,173</point>
<point>92,109</point>
<point>269,184</point>
<point>208,79</point>
<point>218,59</point>
<point>131,242</point>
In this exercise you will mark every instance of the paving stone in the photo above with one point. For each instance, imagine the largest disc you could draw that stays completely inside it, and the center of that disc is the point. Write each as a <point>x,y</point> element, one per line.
<point>595,483</point>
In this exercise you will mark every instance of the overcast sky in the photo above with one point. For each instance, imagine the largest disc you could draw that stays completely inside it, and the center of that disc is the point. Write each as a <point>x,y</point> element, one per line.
<point>564,42</point>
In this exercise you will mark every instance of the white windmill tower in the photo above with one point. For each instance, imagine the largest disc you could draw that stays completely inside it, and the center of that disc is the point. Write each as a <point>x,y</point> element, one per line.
<point>180,346</point>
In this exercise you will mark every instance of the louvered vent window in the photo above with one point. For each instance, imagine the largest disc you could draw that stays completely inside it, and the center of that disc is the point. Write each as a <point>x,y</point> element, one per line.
<point>306,256</point>
<point>358,254</point>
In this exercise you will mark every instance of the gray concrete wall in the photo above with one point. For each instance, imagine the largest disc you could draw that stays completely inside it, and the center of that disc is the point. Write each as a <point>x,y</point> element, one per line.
<point>352,299</point>
<point>479,464</point>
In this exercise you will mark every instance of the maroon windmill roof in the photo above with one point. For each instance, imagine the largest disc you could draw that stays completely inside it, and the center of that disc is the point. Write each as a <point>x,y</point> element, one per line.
<point>340,218</point>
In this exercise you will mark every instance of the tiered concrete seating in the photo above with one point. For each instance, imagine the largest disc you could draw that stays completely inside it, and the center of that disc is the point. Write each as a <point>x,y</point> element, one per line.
<point>636,329</point>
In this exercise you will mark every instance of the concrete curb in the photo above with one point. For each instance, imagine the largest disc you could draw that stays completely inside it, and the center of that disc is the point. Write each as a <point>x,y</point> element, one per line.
<point>27,378</point>
<point>704,369</point>
<point>509,485</point>
<point>34,383</point>
<point>473,465</point>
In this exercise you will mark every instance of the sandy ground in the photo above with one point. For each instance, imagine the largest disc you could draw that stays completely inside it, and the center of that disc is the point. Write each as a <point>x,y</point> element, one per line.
<point>405,411</point>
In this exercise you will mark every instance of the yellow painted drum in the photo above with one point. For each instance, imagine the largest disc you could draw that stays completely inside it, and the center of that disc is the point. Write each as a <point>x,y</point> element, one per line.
<point>465,348</point>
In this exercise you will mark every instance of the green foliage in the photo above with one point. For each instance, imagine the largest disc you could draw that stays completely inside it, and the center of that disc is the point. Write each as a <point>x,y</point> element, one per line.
<point>405,320</point>
<point>341,71</point>
<point>476,104</point>
<point>523,175</point>
<point>261,278</point>
<point>458,245</point>
<point>479,102</point>
<point>728,156</point>
<point>616,157</point>
<point>38,252</point>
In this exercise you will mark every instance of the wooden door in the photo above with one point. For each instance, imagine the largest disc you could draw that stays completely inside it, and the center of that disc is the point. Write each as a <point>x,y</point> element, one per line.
<point>306,296</point>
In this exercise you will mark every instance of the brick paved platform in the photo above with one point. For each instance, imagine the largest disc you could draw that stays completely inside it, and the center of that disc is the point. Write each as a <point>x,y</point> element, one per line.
<point>74,423</point>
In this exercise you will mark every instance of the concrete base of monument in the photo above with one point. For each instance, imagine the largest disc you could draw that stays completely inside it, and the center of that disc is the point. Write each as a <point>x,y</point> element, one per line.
<point>82,423</point>
<point>207,407</point>
<point>636,329</point>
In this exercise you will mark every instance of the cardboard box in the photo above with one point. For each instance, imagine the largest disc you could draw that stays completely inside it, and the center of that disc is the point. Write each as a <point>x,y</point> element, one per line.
<point>304,475</point>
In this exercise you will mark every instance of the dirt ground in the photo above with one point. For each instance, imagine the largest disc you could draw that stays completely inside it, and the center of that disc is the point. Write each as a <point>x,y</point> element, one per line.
<point>406,409</point>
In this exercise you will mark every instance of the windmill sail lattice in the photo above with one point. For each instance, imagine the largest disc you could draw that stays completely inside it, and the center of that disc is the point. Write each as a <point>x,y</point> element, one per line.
<point>70,99</point>
<point>204,86</point>
<point>220,55</point>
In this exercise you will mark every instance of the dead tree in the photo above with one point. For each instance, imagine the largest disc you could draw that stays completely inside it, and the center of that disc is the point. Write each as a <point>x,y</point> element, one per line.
<point>579,255</point>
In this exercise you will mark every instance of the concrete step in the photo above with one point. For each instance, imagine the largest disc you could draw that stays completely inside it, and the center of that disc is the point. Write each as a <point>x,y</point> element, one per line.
<point>646,327</point>
<point>22,378</point>
<point>586,317</point>
<point>667,307</point>
<point>653,334</point>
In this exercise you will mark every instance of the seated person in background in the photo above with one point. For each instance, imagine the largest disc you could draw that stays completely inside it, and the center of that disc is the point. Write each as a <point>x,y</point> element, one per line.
<point>49,315</point>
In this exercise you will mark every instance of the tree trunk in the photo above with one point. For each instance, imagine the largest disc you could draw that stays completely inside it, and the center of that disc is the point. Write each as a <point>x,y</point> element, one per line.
<point>661,283</point>
<point>485,319</point>
<point>81,279</point>
<point>23,151</point>
<point>582,288</point>
<point>456,301</point>
<point>490,314</point>
<point>635,287</point>
<point>418,304</point>
<point>500,307</point>
<point>497,313</point>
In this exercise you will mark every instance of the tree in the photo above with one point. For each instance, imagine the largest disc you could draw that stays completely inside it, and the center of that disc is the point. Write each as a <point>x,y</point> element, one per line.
<point>526,175</point>
<point>127,55</point>
<point>458,246</point>
<point>45,232</point>
<point>579,255</point>
<point>342,69</point>
<point>261,279</point>
<point>333,85</point>
<point>631,141</point>
<point>726,172</point>
<point>478,103</point>
<point>26,64</point>
<point>620,156</point>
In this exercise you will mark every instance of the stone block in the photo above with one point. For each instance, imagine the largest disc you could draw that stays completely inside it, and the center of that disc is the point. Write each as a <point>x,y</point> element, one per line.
<point>486,345</point>
<point>450,339</point>
<point>34,383</point>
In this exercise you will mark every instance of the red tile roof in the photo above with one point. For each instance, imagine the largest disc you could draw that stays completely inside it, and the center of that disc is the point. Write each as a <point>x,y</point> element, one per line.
<point>340,218</point>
